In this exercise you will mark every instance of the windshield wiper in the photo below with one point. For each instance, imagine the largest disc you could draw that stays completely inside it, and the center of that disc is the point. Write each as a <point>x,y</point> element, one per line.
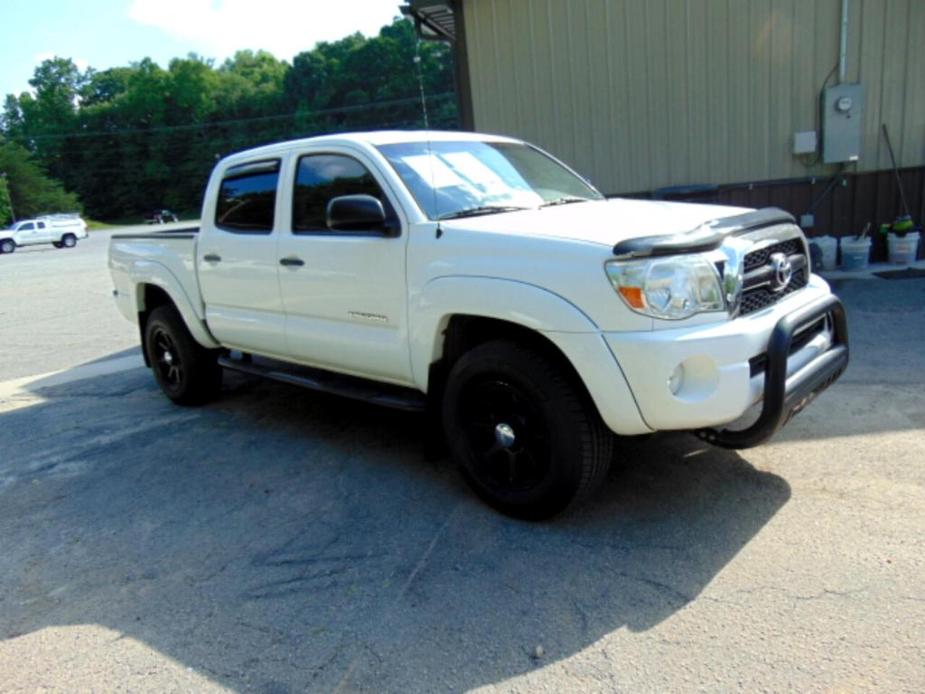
<point>565,200</point>
<point>482,209</point>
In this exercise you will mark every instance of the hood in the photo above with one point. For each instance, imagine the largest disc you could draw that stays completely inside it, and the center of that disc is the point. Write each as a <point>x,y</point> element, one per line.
<point>604,222</point>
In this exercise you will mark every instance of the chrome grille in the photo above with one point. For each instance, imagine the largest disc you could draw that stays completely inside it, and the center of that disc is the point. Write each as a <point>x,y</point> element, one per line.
<point>756,259</point>
<point>756,298</point>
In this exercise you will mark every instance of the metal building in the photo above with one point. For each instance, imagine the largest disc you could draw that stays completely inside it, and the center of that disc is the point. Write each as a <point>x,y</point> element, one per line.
<point>752,102</point>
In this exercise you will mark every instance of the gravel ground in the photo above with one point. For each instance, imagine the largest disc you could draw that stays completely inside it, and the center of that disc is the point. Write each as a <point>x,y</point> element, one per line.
<point>282,541</point>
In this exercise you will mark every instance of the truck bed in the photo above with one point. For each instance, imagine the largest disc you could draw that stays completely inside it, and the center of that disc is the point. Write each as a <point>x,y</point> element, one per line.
<point>134,257</point>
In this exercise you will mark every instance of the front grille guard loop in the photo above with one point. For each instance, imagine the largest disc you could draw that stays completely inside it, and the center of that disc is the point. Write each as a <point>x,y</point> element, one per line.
<point>784,397</point>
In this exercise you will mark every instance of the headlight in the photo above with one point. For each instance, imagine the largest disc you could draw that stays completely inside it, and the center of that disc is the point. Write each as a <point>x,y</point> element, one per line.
<point>672,288</point>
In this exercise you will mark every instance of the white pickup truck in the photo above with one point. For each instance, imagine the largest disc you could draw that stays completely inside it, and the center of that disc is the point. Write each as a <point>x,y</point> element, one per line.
<point>480,280</point>
<point>61,231</point>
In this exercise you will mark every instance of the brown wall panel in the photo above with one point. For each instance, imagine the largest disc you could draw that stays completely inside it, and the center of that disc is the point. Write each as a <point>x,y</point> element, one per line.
<point>871,196</point>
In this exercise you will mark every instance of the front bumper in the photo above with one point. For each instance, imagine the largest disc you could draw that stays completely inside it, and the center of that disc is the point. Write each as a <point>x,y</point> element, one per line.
<point>708,376</point>
<point>785,396</point>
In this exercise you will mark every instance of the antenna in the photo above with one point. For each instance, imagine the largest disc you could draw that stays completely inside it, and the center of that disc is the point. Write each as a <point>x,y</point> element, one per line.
<point>430,149</point>
<point>417,62</point>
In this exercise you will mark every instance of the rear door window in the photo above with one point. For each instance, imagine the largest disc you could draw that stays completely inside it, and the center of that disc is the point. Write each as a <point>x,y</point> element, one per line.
<point>247,198</point>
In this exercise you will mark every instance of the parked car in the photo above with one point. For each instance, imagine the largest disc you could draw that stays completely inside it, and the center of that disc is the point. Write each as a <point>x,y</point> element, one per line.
<point>479,280</point>
<point>161,217</point>
<point>60,230</point>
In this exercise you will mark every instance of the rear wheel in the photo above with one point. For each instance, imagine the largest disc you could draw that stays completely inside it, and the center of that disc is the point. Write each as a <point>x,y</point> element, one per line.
<point>524,434</point>
<point>187,372</point>
<point>7,246</point>
<point>57,244</point>
<point>69,240</point>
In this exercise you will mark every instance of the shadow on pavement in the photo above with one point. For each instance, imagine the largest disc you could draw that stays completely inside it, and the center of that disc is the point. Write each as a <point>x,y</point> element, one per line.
<point>281,541</point>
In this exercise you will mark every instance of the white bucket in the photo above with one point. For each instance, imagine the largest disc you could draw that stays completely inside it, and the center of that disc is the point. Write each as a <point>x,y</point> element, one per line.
<point>855,253</point>
<point>829,247</point>
<point>903,249</point>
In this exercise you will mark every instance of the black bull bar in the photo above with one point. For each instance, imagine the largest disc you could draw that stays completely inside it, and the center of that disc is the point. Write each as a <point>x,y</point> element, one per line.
<point>785,396</point>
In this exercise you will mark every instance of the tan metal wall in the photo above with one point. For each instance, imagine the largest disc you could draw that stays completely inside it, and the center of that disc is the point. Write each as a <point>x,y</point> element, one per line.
<point>640,94</point>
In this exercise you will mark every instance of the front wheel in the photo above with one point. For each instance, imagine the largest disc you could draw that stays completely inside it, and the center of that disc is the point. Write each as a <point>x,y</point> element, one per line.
<point>187,372</point>
<point>69,240</point>
<point>523,432</point>
<point>7,246</point>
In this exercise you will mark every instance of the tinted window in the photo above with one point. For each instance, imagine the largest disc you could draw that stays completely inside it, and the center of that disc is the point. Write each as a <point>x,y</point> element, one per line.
<point>27,227</point>
<point>247,200</point>
<point>41,225</point>
<point>322,177</point>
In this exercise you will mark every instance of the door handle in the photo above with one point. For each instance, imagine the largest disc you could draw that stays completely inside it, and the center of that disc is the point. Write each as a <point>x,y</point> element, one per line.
<point>291,261</point>
<point>212,258</point>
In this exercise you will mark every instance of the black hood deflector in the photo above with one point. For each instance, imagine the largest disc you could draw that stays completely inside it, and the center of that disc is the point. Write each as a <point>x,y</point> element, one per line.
<point>707,237</point>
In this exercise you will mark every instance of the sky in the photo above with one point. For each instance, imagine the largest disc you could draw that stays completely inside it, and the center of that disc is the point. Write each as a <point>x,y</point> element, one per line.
<point>108,33</point>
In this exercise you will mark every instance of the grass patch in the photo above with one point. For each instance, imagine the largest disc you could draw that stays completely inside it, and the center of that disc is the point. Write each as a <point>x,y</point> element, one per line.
<point>96,225</point>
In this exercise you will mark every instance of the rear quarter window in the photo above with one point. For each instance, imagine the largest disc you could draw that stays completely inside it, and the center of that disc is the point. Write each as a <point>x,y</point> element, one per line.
<point>247,198</point>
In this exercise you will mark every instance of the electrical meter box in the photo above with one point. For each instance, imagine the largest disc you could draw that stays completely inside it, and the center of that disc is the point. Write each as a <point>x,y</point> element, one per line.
<point>842,106</point>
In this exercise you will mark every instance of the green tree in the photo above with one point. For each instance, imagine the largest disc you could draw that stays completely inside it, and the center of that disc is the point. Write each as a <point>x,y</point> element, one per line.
<point>104,86</point>
<point>6,209</point>
<point>136,137</point>
<point>30,190</point>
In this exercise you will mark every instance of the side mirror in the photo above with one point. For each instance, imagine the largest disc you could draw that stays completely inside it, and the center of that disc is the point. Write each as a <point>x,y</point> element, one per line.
<point>355,213</point>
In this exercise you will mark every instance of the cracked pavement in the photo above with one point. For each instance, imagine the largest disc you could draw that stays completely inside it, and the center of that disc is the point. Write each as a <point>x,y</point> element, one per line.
<point>282,541</point>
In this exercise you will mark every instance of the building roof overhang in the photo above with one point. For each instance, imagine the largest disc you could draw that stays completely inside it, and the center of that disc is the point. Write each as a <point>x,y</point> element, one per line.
<point>434,20</point>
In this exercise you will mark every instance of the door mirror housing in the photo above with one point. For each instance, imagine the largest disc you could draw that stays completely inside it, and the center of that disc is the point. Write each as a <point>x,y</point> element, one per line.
<point>356,213</point>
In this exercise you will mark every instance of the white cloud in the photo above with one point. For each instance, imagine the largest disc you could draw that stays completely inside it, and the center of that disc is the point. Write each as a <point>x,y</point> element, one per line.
<point>218,28</point>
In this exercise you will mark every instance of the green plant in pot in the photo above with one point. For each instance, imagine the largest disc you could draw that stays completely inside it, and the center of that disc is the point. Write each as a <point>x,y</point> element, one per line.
<point>902,226</point>
<point>902,239</point>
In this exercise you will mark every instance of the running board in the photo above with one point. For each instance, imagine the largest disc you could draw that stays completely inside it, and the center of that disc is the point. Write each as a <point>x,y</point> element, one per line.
<point>383,394</point>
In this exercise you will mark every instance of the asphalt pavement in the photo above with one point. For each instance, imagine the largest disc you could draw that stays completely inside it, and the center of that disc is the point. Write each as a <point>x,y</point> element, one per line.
<point>284,541</point>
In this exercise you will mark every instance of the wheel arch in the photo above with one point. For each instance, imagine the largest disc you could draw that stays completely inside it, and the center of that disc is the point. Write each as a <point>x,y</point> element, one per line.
<point>475,310</point>
<point>464,299</point>
<point>150,295</point>
<point>463,332</point>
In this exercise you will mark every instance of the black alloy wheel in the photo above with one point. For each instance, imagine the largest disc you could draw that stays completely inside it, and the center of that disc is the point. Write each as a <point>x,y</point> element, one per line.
<point>506,435</point>
<point>187,372</point>
<point>523,430</point>
<point>166,360</point>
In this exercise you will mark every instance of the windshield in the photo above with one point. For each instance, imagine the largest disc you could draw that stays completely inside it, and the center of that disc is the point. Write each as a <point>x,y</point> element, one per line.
<point>460,179</point>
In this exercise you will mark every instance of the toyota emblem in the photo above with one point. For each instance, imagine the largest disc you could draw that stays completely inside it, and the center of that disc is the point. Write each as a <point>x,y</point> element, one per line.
<point>783,271</point>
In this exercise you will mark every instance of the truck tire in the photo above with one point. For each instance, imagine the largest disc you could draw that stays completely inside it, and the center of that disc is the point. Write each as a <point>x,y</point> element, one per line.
<point>525,436</point>
<point>57,244</point>
<point>7,246</point>
<point>187,372</point>
<point>69,240</point>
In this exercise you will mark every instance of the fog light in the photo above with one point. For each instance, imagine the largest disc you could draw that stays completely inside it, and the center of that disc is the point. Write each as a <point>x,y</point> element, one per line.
<point>676,380</point>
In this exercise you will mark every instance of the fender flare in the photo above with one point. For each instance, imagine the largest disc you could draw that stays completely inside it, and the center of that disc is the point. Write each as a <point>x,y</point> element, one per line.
<point>515,302</point>
<point>144,272</point>
<point>572,331</point>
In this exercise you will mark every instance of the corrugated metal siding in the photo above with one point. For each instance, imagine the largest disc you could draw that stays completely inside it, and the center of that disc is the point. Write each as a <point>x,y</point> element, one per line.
<point>640,94</point>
